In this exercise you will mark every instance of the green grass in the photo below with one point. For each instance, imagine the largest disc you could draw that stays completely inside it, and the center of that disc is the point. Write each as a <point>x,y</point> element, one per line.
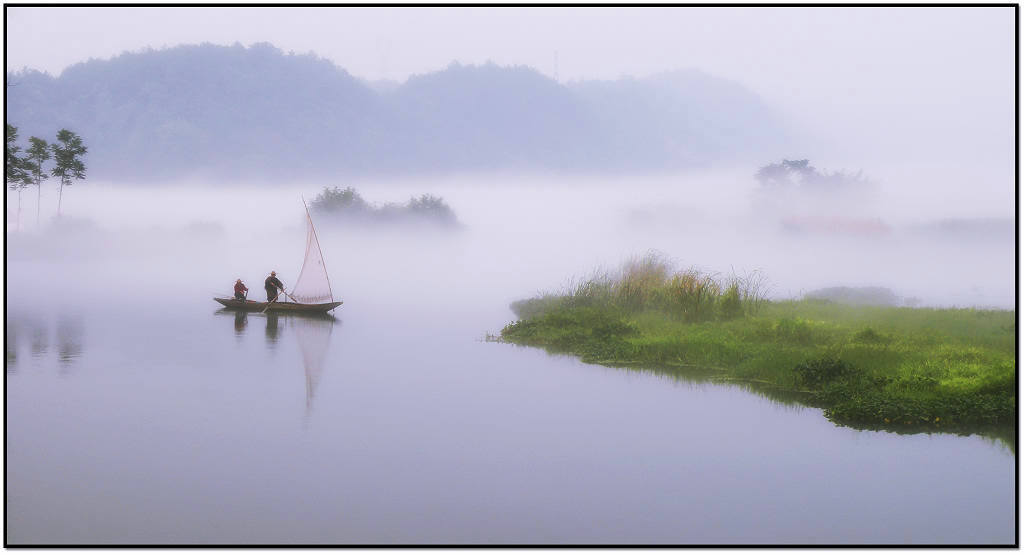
<point>895,368</point>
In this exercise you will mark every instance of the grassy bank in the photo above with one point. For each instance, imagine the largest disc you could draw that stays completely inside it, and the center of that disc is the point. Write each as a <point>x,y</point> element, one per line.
<point>875,367</point>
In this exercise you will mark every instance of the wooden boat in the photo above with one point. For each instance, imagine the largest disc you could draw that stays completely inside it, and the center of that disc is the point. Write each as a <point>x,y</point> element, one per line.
<point>312,291</point>
<point>256,306</point>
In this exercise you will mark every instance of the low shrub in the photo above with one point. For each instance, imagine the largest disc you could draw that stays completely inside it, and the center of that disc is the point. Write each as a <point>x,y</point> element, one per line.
<point>815,373</point>
<point>793,330</point>
<point>869,335</point>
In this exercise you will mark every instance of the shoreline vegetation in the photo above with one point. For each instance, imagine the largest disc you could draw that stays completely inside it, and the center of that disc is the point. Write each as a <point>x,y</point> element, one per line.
<point>895,368</point>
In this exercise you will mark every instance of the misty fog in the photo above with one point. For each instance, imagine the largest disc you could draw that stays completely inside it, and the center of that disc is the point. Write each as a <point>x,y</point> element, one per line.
<point>519,235</point>
<point>866,151</point>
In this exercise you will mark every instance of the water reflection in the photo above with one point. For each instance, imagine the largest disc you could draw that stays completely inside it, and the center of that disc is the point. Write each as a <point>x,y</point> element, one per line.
<point>272,330</point>
<point>40,342</point>
<point>781,397</point>
<point>312,334</point>
<point>241,320</point>
<point>69,340</point>
<point>11,344</point>
<point>70,333</point>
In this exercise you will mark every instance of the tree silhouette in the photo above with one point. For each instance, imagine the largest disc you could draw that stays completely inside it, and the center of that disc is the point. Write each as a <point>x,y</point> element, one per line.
<point>36,155</point>
<point>14,166</point>
<point>801,172</point>
<point>67,160</point>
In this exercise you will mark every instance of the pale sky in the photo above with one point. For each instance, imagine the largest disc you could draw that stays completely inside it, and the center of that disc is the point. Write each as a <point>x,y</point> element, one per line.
<point>896,75</point>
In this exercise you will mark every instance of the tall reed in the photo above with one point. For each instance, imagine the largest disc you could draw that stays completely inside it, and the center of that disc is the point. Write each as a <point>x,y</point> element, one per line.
<point>651,282</point>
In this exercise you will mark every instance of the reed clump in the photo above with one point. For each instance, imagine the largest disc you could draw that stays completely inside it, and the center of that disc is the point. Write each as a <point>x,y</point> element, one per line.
<point>650,282</point>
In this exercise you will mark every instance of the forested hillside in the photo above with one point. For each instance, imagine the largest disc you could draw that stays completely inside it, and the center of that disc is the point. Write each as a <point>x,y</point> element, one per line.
<point>257,113</point>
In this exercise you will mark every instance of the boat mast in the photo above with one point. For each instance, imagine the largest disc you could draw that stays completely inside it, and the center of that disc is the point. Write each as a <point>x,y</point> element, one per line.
<point>317,239</point>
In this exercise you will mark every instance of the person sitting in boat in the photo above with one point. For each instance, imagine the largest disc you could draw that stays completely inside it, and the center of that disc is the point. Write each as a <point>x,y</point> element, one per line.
<point>272,285</point>
<point>240,290</point>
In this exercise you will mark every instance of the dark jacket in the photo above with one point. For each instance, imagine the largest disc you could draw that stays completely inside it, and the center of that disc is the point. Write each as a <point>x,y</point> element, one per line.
<point>273,284</point>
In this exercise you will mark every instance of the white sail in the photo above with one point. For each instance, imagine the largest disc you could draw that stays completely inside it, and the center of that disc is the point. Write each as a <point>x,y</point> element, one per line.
<point>312,285</point>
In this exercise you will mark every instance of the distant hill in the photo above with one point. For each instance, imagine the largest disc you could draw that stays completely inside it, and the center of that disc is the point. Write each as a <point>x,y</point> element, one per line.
<point>257,113</point>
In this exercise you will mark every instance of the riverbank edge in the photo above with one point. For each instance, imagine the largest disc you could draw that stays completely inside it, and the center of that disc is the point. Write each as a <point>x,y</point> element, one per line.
<point>848,396</point>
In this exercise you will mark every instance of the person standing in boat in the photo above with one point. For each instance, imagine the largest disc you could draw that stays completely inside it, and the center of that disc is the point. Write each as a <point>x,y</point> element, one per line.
<point>240,290</point>
<point>272,285</point>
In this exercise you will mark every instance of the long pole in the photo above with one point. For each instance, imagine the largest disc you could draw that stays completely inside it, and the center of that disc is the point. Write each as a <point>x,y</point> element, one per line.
<point>274,300</point>
<point>278,296</point>
<point>270,302</point>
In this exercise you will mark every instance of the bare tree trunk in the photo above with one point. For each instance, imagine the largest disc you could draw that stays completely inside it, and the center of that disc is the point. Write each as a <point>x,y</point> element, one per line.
<point>60,196</point>
<point>39,199</point>
<point>19,209</point>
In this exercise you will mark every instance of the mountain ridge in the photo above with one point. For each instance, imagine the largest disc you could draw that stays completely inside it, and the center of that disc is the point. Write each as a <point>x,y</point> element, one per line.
<point>252,113</point>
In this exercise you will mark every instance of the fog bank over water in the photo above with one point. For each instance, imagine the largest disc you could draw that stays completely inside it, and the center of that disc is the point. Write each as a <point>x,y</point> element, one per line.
<point>232,423</point>
<point>521,235</point>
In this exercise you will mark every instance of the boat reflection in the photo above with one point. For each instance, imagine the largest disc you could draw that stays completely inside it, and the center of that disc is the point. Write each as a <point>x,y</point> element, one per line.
<point>312,333</point>
<point>241,320</point>
<point>272,330</point>
<point>313,336</point>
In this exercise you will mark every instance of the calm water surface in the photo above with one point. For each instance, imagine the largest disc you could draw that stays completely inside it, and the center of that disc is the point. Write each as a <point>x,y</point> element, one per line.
<point>138,412</point>
<point>194,425</point>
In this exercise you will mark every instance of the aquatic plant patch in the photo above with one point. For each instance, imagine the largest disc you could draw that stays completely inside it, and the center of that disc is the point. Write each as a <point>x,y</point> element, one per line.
<point>877,367</point>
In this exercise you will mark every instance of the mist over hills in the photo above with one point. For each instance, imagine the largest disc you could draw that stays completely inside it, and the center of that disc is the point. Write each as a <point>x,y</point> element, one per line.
<point>257,113</point>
